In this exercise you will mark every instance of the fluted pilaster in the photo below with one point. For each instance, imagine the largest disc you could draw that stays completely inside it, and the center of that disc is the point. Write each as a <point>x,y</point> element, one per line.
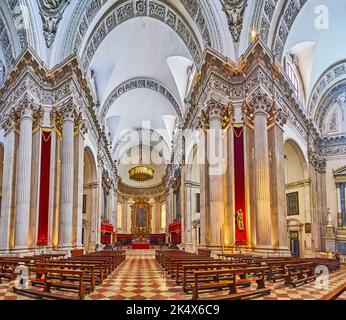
<point>25,115</point>
<point>260,105</point>
<point>216,171</point>
<point>67,165</point>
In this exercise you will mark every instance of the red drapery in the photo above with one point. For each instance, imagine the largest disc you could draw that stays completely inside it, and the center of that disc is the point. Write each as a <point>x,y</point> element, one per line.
<point>239,180</point>
<point>44,188</point>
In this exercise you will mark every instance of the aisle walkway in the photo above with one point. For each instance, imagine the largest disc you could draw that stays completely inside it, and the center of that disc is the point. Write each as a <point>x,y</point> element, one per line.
<point>141,278</point>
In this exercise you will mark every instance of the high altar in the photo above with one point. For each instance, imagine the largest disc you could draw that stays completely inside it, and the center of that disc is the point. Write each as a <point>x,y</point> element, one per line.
<point>141,222</point>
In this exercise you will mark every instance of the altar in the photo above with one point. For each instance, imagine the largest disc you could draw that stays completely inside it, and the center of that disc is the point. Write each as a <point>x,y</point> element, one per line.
<point>141,220</point>
<point>141,245</point>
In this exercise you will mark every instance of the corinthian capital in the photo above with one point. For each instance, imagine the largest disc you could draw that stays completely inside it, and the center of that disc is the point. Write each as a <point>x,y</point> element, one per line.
<point>10,122</point>
<point>68,111</point>
<point>219,110</point>
<point>280,116</point>
<point>81,126</point>
<point>258,102</point>
<point>26,108</point>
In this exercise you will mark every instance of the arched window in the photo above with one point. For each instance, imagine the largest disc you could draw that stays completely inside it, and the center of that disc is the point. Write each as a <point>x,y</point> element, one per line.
<point>292,76</point>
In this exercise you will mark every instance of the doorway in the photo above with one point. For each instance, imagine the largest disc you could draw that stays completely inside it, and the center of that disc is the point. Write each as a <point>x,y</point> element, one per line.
<point>294,240</point>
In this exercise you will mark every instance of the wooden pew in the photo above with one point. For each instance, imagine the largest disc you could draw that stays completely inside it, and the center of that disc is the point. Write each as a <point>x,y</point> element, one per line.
<point>336,293</point>
<point>230,279</point>
<point>99,268</point>
<point>49,281</point>
<point>204,252</point>
<point>188,276</point>
<point>298,274</point>
<point>7,270</point>
<point>89,272</point>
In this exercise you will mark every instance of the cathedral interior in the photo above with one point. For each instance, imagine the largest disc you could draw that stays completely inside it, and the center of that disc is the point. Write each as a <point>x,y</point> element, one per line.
<point>243,166</point>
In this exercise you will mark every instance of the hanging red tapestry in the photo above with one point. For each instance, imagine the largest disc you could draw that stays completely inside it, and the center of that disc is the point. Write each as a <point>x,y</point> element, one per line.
<point>44,188</point>
<point>239,180</point>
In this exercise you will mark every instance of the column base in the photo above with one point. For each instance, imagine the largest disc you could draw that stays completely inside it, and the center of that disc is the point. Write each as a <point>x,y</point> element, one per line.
<point>188,246</point>
<point>272,252</point>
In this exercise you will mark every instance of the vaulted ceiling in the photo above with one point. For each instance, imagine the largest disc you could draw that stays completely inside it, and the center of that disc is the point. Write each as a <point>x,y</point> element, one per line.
<point>140,55</point>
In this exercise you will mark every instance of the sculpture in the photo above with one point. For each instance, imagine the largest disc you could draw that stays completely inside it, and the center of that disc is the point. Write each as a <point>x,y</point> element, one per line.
<point>51,12</point>
<point>234,10</point>
<point>240,220</point>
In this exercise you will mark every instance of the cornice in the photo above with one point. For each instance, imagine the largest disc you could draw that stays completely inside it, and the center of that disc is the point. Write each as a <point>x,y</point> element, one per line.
<point>51,88</point>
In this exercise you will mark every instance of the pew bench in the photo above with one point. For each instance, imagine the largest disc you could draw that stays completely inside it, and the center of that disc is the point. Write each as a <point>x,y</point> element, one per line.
<point>299,274</point>
<point>89,273</point>
<point>48,281</point>
<point>189,273</point>
<point>228,278</point>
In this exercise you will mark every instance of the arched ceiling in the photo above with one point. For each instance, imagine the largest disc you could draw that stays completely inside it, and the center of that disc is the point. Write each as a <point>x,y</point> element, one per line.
<point>140,55</point>
<point>320,45</point>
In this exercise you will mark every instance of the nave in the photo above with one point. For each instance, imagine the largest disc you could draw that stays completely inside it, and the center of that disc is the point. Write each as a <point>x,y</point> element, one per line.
<point>141,277</point>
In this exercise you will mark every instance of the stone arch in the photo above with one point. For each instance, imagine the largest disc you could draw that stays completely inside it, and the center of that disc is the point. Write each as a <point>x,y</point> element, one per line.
<point>299,159</point>
<point>192,213</point>
<point>140,83</point>
<point>120,13</point>
<point>123,140</point>
<point>297,186</point>
<point>194,10</point>
<point>327,101</point>
<point>330,78</point>
<point>275,22</point>
<point>8,39</point>
<point>90,201</point>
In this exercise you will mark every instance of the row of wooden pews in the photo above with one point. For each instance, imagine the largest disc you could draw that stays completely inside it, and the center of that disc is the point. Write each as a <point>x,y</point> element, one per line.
<point>56,277</point>
<point>199,273</point>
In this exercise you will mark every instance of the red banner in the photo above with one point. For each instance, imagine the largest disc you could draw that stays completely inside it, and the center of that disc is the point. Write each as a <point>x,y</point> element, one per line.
<point>107,228</point>
<point>175,227</point>
<point>46,145</point>
<point>239,182</point>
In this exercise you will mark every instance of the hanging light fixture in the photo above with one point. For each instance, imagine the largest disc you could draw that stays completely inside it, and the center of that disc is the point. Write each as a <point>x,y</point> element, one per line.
<point>141,173</point>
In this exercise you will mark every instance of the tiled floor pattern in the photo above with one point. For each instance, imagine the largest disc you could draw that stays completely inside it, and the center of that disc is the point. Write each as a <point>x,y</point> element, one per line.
<point>141,278</point>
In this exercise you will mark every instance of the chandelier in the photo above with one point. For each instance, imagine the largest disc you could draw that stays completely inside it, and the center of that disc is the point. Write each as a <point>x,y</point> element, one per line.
<point>141,174</point>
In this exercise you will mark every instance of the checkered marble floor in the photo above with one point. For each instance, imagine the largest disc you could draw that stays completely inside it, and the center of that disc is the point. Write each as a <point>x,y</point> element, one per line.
<point>141,278</point>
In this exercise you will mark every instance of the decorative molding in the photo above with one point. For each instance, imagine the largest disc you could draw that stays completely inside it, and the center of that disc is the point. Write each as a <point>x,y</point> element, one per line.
<point>141,192</point>
<point>334,74</point>
<point>124,11</point>
<point>234,10</point>
<point>19,21</point>
<point>139,83</point>
<point>51,12</point>
<point>6,45</point>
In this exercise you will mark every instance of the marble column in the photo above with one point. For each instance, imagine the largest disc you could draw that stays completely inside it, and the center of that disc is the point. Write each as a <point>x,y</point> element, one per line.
<point>24,176</point>
<point>260,105</point>
<point>342,203</point>
<point>78,169</point>
<point>339,212</point>
<point>204,186</point>
<point>216,175</point>
<point>67,164</point>
<point>277,183</point>
<point>187,214</point>
<point>9,181</point>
